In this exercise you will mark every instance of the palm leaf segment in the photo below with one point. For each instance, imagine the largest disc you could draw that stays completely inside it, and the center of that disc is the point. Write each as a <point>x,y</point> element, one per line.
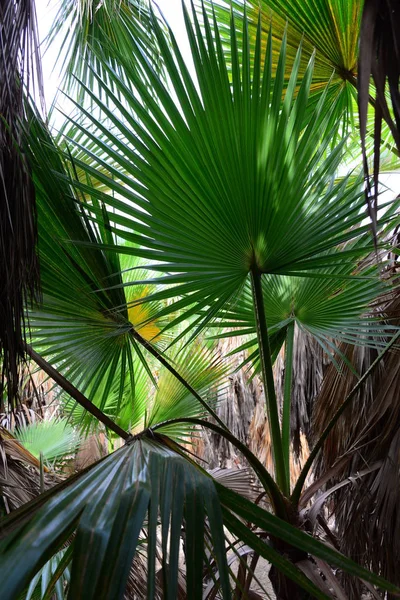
<point>200,364</point>
<point>82,25</point>
<point>140,485</point>
<point>216,179</point>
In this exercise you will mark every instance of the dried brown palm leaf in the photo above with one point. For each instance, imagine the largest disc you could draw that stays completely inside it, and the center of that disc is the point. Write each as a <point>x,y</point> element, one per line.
<point>19,269</point>
<point>309,365</point>
<point>136,587</point>
<point>367,514</point>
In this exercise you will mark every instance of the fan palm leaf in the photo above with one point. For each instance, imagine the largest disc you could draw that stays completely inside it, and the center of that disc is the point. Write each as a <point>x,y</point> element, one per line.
<point>201,365</point>
<point>53,439</point>
<point>331,29</point>
<point>230,161</point>
<point>333,305</point>
<point>83,323</point>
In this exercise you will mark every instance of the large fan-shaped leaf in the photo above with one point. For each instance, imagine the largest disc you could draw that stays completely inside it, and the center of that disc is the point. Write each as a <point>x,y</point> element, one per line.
<point>332,306</point>
<point>330,28</point>
<point>213,180</point>
<point>82,323</point>
<point>199,363</point>
<point>109,504</point>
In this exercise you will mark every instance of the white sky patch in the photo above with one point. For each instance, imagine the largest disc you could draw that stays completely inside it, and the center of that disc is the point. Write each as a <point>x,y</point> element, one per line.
<point>46,12</point>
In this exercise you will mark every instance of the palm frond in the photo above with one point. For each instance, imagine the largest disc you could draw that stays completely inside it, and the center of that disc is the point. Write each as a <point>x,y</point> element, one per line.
<point>125,482</point>
<point>231,162</point>
<point>42,584</point>
<point>199,363</point>
<point>333,305</point>
<point>82,324</point>
<point>147,482</point>
<point>53,438</point>
<point>81,26</point>
<point>331,30</point>
<point>335,32</point>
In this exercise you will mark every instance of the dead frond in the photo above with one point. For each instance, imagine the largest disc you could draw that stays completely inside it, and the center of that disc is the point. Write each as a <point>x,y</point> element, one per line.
<point>367,511</point>
<point>19,268</point>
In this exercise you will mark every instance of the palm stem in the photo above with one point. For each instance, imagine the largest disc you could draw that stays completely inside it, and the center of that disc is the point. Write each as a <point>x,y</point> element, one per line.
<point>179,377</point>
<point>268,378</point>
<point>287,398</point>
<point>68,387</point>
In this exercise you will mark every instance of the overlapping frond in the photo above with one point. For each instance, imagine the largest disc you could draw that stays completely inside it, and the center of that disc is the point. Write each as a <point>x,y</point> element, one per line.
<point>202,367</point>
<point>52,439</point>
<point>146,485</point>
<point>109,504</point>
<point>83,324</point>
<point>333,305</point>
<point>330,29</point>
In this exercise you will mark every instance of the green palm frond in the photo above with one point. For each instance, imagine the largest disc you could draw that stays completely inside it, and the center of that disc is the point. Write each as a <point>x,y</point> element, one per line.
<point>334,305</point>
<point>330,29</point>
<point>143,314</point>
<point>80,26</point>
<point>39,585</point>
<point>53,439</point>
<point>82,323</point>
<point>230,162</point>
<point>200,363</point>
<point>205,370</point>
<point>147,485</point>
<point>118,490</point>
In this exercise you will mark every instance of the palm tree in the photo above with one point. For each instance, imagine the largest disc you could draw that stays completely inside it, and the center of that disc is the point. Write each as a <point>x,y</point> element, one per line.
<point>224,185</point>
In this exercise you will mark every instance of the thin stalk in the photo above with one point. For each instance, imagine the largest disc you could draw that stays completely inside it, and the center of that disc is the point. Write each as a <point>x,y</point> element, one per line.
<point>318,446</point>
<point>268,378</point>
<point>179,377</point>
<point>287,398</point>
<point>68,387</point>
